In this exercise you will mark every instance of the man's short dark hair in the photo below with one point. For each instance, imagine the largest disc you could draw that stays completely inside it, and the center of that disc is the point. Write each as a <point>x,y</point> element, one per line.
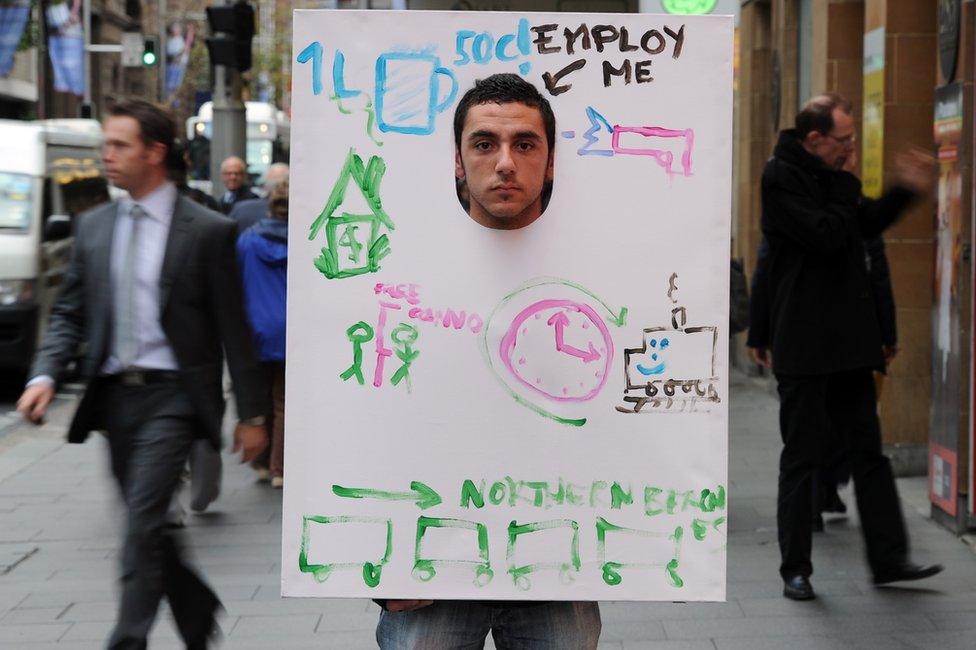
<point>504,88</point>
<point>818,114</point>
<point>156,124</point>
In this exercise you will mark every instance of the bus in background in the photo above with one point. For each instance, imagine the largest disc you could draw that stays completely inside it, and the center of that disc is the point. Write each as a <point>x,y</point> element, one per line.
<point>267,142</point>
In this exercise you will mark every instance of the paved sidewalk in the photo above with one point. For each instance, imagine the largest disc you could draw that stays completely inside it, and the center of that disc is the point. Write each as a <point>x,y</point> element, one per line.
<point>59,536</point>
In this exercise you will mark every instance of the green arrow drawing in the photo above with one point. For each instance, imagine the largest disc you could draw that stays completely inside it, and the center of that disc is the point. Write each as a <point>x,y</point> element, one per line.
<point>424,495</point>
<point>617,318</point>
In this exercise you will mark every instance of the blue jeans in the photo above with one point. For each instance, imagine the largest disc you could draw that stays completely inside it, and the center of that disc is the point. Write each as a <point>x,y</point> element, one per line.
<point>463,624</point>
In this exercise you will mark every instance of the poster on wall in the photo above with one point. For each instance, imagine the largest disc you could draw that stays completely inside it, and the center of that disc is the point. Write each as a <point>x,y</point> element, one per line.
<point>507,370</point>
<point>179,44</point>
<point>946,359</point>
<point>872,150</point>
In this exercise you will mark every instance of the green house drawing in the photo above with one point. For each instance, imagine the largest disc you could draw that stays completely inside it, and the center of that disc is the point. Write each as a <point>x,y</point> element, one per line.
<point>355,242</point>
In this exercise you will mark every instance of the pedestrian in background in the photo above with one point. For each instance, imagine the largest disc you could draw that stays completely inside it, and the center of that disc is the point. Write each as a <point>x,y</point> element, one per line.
<point>835,471</point>
<point>179,167</point>
<point>233,173</point>
<point>206,467</point>
<point>153,291</point>
<point>249,212</point>
<point>263,254</point>
<point>824,332</point>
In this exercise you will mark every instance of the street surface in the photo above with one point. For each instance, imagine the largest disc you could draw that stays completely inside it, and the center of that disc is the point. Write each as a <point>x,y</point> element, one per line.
<point>59,522</point>
<point>10,387</point>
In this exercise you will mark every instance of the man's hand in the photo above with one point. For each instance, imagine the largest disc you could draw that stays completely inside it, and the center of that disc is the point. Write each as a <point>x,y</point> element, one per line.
<point>35,400</point>
<point>890,352</point>
<point>915,169</point>
<point>250,440</point>
<point>406,605</point>
<point>761,357</point>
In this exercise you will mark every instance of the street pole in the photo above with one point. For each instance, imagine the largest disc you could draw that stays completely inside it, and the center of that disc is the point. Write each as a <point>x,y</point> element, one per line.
<point>42,97</point>
<point>229,120</point>
<point>161,51</point>
<point>86,103</point>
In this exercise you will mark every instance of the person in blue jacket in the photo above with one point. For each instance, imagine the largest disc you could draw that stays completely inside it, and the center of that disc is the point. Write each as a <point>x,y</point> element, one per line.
<point>262,251</point>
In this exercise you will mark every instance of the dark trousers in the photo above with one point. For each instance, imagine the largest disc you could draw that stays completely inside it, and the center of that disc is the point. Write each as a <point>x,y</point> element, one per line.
<point>464,625</point>
<point>832,473</point>
<point>150,432</point>
<point>809,406</point>
<point>277,424</point>
<point>273,457</point>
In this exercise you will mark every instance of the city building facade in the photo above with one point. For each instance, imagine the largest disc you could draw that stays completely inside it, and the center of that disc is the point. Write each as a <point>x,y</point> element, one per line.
<point>907,66</point>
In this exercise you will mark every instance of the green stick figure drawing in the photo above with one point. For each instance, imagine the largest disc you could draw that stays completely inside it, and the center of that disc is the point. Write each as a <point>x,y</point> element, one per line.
<point>403,336</point>
<point>357,334</point>
<point>361,235</point>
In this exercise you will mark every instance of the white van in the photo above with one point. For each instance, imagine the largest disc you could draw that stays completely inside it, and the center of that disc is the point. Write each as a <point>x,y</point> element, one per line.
<point>50,171</point>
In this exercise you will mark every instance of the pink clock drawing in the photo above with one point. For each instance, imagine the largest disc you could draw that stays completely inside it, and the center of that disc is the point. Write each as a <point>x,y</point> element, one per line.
<point>559,349</point>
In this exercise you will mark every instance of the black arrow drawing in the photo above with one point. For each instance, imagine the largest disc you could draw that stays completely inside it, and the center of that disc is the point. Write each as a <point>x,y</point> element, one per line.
<point>551,80</point>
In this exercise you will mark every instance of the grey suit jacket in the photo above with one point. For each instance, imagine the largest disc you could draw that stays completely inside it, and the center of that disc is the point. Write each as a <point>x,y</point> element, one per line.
<point>201,311</point>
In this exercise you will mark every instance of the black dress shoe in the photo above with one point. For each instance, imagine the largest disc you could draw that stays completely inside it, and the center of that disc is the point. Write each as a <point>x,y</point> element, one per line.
<point>906,571</point>
<point>798,588</point>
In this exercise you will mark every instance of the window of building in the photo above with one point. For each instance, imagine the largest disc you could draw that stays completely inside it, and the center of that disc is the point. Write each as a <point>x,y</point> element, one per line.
<point>804,53</point>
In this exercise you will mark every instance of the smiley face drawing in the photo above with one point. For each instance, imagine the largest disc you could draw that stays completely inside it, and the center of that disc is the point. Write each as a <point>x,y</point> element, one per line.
<point>672,369</point>
<point>656,366</point>
<point>550,345</point>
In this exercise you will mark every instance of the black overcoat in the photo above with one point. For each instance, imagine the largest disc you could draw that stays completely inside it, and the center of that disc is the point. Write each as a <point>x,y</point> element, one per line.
<point>822,316</point>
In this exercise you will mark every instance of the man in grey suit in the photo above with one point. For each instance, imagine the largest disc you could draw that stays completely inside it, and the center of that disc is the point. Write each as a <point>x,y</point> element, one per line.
<point>153,290</point>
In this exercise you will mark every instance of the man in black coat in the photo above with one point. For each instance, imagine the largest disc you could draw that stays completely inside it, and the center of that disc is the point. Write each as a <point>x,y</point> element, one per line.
<point>233,173</point>
<point>834,470</point>
<point>824,332</point>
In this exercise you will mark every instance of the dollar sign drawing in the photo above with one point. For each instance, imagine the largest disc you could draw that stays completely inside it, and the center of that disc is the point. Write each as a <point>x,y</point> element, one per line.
<point>672,287</point>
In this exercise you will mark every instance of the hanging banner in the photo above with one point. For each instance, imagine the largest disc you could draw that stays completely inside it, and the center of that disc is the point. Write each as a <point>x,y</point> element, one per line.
<point>66,46</point>
<point>484,411</point>
<point>13,19</point>
<point>179,44</point>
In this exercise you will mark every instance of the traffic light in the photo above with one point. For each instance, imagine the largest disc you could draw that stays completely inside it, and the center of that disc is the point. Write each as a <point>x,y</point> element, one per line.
<point>149,51</point>
<point>231,29</point>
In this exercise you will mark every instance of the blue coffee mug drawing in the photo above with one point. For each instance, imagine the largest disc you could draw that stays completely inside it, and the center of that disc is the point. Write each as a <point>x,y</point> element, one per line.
<point>408,90</point>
